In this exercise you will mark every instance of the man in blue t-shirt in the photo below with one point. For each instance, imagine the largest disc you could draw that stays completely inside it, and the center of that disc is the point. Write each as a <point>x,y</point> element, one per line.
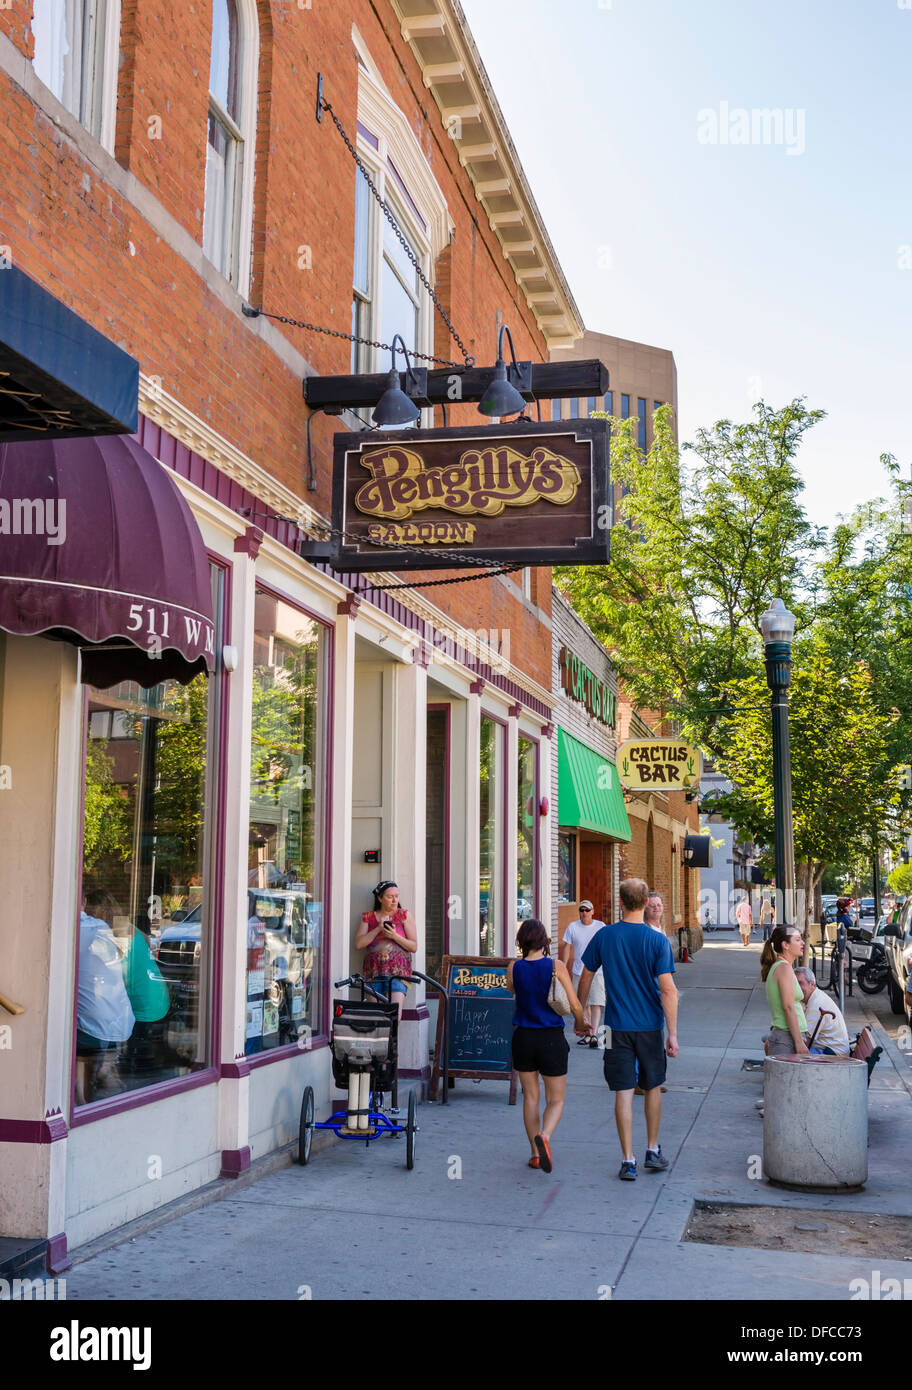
<point>640,999</point>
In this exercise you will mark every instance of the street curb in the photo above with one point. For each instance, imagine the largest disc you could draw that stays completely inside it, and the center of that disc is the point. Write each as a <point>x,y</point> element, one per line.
<point>899,1058</point>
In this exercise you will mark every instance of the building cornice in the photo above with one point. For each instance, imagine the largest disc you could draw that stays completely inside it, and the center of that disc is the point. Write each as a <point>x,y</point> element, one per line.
<point>440,39</point>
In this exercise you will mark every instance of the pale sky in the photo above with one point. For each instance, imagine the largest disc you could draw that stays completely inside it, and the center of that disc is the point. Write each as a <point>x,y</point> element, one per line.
<point>765,272</point>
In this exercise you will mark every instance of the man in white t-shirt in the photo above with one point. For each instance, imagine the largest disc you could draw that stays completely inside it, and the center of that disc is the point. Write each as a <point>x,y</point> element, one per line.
<point>745,920</point>
<point>820,1008</point>
<point>576,938</point>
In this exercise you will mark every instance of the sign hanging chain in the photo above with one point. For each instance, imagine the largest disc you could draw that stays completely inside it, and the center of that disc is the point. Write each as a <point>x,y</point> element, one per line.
<point>388,214</point>
<point>485,569</point>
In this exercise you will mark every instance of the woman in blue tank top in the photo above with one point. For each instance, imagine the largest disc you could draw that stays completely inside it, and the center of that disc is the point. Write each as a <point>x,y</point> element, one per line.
<point>539,1044</point>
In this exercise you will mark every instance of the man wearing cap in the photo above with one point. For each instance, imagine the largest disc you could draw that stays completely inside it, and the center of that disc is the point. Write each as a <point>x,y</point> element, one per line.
<point>576,938</point>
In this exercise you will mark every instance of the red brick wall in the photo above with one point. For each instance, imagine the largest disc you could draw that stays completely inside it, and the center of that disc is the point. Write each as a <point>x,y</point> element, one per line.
<point>70,230</point>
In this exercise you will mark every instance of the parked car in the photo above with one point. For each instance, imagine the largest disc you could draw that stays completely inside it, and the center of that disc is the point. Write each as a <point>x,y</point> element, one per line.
<point>867,908</point>
<point>898,943</point>
<point>288,961</point>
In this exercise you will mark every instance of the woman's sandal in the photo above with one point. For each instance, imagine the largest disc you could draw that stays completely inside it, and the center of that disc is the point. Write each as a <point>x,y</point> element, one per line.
<point>535,1162</point>
<point>584,1042</point>
<point>544,1152</point>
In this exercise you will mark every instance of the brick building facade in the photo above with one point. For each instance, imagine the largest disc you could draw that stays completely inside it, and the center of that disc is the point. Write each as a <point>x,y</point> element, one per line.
<point>178,177</point>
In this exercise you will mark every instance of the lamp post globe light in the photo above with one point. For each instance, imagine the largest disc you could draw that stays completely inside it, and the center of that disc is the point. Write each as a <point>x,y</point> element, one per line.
<point>778,628</point>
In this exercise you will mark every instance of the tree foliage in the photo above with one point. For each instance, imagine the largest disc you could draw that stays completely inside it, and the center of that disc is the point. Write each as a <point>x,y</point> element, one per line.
<point>704,541</point>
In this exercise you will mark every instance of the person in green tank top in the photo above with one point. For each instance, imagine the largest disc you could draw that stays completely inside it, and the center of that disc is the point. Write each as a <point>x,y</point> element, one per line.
<point>789,1031</point>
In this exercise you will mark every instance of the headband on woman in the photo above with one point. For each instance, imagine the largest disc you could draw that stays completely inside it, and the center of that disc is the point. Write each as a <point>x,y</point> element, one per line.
<point>382,887</point>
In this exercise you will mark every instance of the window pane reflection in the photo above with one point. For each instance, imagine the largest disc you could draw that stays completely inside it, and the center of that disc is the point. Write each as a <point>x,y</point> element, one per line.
<point>285,880</point>
<point>491,837</point>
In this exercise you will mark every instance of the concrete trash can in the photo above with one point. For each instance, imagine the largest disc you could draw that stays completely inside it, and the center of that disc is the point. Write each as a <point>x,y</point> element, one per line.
<point>815,1122</point>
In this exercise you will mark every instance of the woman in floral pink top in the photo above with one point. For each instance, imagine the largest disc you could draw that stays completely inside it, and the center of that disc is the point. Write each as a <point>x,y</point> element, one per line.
<point>388,937</point>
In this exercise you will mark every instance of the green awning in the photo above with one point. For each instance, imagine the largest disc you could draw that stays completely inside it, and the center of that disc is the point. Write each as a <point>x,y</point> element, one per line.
<point>589,791</point>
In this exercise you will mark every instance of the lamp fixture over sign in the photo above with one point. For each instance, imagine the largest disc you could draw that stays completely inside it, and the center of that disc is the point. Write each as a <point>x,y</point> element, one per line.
<point>394,407</point>
<point>502,396</point>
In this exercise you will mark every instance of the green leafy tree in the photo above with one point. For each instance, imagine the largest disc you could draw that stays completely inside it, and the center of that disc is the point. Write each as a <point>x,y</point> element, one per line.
<point>705,544</point>
<point>707,540</point>
<point>900,880</point>
<point>840,746</point>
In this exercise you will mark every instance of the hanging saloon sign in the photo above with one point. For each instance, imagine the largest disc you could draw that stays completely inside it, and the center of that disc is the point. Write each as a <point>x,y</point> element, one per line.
<point>514,494</point>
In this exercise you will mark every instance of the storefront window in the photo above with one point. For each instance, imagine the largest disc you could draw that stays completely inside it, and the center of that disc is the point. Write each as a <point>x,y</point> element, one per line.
<point>142,1008</point>
<point>490,837</point>
<point>566,867</point>
<point>526,905</point>
<point>286,876</point>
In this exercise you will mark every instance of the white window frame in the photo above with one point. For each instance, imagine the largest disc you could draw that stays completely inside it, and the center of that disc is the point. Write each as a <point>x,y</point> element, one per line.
<point>98,85</point>
<point>396,143</point>
<point>238,233</point>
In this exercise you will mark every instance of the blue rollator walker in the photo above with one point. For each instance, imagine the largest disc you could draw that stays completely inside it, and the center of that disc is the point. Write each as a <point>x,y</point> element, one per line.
<point>364,1063</point>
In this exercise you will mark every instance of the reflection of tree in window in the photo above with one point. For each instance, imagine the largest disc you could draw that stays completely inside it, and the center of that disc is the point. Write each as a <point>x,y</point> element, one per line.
<point>525,841</point>
<point>489,856</point>
<point>284,749</point>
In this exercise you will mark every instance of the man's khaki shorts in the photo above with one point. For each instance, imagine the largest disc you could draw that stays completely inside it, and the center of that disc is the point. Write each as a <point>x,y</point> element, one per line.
<point>596,989</point>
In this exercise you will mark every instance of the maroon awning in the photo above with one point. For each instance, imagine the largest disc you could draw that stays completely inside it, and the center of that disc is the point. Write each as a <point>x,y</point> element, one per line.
<point>98,547</point>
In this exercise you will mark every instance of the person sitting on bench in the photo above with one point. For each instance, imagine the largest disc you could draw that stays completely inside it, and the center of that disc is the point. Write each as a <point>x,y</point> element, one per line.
<point>832,1035</point>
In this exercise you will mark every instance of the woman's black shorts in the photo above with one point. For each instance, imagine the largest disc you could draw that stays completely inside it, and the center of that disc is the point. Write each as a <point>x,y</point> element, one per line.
<point>543,1050</point>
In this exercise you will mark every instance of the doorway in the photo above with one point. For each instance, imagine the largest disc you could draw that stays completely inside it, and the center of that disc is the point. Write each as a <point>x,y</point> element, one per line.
<point>436,847</point>
<point>595,876</point>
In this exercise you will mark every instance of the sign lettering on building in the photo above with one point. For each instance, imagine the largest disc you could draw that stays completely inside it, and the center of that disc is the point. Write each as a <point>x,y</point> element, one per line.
<point>582,685</point>
<point>668,763</point>
<point>513,494</point>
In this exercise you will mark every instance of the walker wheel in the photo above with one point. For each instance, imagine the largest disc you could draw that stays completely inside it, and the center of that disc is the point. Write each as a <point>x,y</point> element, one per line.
<point>306,1127</point>
<point>411,1129</point>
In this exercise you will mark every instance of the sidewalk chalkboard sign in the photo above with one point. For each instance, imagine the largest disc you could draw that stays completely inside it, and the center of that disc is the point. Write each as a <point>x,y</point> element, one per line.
<point>480,1021</point>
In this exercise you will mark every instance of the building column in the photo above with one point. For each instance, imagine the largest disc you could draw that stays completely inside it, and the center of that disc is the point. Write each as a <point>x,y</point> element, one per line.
<point>547,827</point>
<point>340,809</point>
<point>41,703</point>
<point>464,930</point>
<point>511,868</point>
<point>234,1068</point>
<point>408,820</point>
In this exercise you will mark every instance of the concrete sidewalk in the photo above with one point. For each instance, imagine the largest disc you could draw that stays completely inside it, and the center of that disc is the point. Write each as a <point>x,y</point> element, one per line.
<point>472,1221</point>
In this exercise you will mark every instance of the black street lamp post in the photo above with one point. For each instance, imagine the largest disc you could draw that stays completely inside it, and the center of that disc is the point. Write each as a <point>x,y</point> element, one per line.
<point>778,628</point>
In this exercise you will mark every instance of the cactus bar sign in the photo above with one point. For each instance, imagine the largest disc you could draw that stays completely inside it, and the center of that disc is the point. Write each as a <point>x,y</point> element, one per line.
<point>530,494</point>
<point>666,763</point>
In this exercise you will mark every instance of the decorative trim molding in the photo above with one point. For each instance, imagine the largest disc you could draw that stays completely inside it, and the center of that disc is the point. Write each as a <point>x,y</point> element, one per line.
<point>46,1131</point>
<point>250,542</point>
<point>56,1258</point>
<point>348,606</point>
<point>164,410</point>
<point>381,115</point>
<point>477,687</point>
<point>235,1162</point>
<point>453,72</point>
<point>234,1071</point>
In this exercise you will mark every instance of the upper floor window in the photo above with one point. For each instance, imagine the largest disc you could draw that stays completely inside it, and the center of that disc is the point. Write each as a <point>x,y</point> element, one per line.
<point>230,141</point>
<point>387,295</point>
<point>76,46</point>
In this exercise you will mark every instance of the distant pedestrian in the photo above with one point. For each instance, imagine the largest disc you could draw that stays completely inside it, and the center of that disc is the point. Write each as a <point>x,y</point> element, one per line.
<point>654,911</point>
<point>789,1031</point>
<point>640,998</point>
<point>539,1045</point>
<point>767,917</point>
<point>745,919</point>
<point>576,938</point>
